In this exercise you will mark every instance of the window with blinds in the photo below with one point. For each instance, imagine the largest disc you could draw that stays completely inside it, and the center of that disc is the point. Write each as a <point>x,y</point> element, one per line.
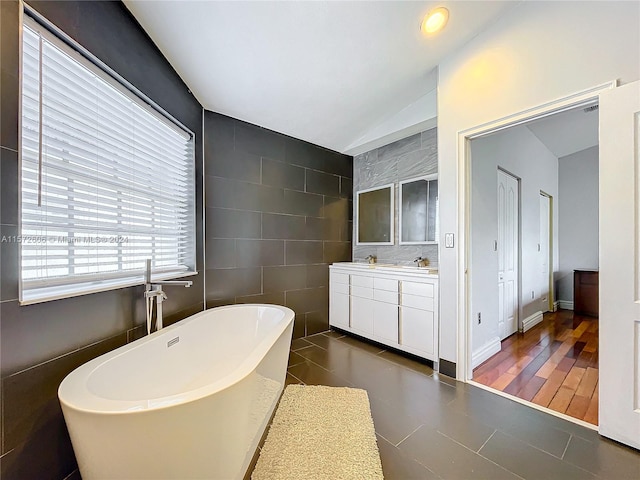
<point>107,180</point>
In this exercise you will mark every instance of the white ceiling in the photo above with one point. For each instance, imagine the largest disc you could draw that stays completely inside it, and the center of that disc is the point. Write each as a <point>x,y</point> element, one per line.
<point>567,132</point>
<point>329,72</point>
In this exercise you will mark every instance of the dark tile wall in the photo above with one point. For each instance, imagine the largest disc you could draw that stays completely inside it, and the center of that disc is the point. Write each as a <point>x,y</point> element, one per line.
<point>40,344</point>
<point>278,212</point>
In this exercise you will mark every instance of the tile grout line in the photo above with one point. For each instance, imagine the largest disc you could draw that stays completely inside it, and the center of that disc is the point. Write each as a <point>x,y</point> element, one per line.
<point>385,439</point>
<point>486,441</point>
<point>397,445</point>
<point>323,368</point>
<point>540,449</point>
<point>289,373</point>
<point>480,455</point>
<point>566,447</point>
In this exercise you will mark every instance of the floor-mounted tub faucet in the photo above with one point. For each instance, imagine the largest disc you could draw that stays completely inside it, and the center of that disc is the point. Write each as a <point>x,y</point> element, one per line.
<point>153,291</point>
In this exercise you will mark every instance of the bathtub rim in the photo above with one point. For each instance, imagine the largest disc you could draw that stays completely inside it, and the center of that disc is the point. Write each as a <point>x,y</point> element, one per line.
<point>125,407</point>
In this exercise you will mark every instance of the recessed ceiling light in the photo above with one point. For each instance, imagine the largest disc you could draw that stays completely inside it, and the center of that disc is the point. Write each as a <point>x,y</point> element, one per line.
<point>435,20</point>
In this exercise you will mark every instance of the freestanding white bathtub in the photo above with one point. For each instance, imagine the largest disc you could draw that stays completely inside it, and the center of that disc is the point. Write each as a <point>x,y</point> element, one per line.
<point>188,402</point>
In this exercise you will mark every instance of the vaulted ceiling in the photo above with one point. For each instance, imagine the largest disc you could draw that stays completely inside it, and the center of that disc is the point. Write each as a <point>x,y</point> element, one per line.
<point>341,74</point>
<point>567,132</point>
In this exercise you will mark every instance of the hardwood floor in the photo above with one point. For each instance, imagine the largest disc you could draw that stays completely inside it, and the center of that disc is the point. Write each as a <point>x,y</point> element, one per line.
<point>555,365</point>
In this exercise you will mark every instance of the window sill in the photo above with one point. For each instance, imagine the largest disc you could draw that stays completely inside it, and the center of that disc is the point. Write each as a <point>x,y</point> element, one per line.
<point>46,294</point>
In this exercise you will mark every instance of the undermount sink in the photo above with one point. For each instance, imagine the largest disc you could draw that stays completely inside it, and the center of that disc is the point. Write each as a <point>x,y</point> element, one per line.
<point>413,267</point>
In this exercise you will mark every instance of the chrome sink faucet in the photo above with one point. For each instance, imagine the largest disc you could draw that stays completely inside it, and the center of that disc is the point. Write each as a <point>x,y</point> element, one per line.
<point>371,259</point>
<point>421,262</point>
<point>153,291</point>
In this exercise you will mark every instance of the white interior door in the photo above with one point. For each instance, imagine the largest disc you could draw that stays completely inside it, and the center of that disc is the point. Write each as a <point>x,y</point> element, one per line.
<point>544,248</point>
<point>507,249</point>
<point>619,408</point>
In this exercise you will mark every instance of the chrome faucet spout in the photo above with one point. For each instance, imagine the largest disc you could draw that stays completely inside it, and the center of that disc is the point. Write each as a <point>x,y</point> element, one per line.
<point>421,262</point>
<point>184,283</point>
<point>149,283</point>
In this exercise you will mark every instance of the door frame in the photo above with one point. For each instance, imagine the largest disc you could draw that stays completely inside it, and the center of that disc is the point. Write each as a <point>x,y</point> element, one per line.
<point>551,294</point>
<point>464,314</point>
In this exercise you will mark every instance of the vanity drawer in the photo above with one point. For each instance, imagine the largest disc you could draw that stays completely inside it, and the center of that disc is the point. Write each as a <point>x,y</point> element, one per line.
<point>340,288</point>
<point>362,292</point>
<point>422,289</point>
<point>385,296</point>
<point>415,301</point>
<point>361,281</point>
<point>385,284</point>
<point>340,278</point>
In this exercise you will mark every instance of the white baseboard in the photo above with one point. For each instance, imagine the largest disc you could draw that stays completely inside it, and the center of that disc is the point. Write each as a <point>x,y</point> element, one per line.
<point>565,304</point>
<point>486,351</point>
<point>531,321</point>
<point>555,306</point>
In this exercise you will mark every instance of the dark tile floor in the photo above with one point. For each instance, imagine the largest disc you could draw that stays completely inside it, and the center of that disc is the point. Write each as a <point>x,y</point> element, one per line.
<point>430,426</point>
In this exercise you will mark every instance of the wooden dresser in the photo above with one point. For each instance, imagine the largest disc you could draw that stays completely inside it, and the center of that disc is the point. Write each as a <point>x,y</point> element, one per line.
<point>585,292</point>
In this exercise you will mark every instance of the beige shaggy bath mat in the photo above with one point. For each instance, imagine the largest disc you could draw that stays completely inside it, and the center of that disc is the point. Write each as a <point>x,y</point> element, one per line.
<point>320,433</point>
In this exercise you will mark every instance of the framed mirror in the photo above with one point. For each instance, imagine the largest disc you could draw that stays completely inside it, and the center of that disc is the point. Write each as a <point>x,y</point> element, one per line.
<point>374,225</point>
<point>419,210</point>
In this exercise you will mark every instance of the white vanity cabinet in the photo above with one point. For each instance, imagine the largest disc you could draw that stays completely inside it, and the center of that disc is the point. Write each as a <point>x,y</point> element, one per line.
<point>362,304</point>
<point>395,306</point>
<point>339,301</point>
<point>385,314</point>
<point>418,318</point>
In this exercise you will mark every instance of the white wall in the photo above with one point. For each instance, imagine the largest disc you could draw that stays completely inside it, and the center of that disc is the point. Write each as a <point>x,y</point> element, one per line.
<point>536,53</point>
<point>578,215</point>
<point>519,152</point>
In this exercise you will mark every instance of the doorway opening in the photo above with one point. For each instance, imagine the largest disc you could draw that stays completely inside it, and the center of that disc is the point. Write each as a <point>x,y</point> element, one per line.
<point>531,335</point>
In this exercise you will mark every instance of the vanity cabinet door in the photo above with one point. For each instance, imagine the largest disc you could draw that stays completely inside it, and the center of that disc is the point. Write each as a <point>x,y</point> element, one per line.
<point>339,309</point>
<point>417,329</point>
<point>362,314</point>
<point>385,321</point>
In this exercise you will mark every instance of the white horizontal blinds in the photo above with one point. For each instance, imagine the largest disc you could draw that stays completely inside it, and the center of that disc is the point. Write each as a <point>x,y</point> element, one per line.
<point>106,182</point>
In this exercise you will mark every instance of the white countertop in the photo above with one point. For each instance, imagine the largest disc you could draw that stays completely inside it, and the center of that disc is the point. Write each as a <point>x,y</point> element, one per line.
<point>387,267</point>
